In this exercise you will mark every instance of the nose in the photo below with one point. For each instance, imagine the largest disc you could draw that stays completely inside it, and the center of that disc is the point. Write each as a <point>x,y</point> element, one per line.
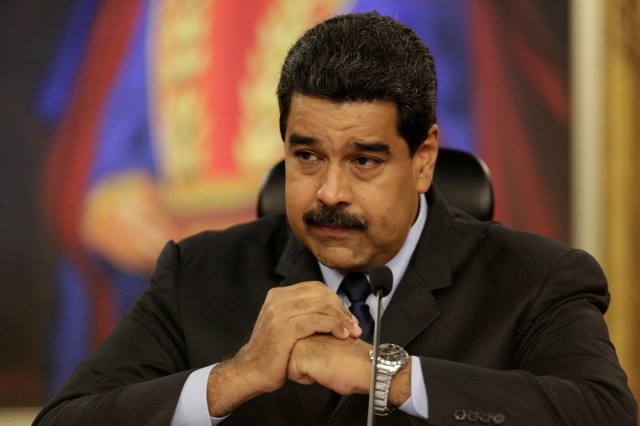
<point>334,188</point>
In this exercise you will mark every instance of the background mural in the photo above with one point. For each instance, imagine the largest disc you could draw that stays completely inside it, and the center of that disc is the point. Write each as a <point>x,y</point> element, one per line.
<point>127,123</point>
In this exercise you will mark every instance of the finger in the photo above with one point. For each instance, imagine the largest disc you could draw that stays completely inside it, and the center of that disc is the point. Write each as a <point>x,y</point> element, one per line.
<point>308,289</point>
<point>306,325</point>
<point>308,297</point>
<point>295,374</point>
<point>301,379</point>
<point>322,306</point>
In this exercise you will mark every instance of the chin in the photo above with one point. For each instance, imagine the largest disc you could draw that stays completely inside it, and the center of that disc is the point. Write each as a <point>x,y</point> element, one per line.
<point>341,260</point>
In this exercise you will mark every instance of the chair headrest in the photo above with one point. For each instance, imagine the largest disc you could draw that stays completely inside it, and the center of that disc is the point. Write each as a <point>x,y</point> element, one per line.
<point>464,180</point>
<point>462,177</point>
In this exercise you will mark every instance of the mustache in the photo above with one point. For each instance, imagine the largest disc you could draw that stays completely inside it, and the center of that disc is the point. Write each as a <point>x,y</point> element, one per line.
<point>334,217</point>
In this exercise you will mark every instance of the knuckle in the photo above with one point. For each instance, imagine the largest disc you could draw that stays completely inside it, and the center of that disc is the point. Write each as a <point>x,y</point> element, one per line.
<point>271,294</point>
<point>299,304</point>
<point>270,311</point>
<point>299,328</point>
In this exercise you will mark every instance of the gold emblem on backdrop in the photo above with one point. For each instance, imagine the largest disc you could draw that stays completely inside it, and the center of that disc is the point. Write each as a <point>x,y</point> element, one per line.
<point>200,174</point>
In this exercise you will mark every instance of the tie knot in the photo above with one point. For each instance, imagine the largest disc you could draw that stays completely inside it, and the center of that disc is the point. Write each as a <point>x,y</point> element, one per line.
<point>356,287</point>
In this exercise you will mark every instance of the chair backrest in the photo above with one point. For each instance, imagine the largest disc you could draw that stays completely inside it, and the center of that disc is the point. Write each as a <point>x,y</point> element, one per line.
<point>462,177</point>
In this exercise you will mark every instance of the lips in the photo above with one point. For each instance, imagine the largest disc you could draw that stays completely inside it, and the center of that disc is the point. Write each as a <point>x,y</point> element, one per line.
<point>335,226</point>
<point>332,231</point>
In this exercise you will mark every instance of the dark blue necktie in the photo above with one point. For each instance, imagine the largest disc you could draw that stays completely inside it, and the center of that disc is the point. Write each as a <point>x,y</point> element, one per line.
<point>356,287</point>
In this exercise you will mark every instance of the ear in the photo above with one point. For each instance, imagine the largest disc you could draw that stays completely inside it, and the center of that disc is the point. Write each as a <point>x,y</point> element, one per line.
<point>424,160</point>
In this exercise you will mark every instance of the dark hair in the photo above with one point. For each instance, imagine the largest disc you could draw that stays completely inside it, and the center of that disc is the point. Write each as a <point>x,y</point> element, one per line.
<point>364,57</point>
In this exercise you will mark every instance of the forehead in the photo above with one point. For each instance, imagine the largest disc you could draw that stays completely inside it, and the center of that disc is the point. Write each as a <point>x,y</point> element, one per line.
<point>324,120</point>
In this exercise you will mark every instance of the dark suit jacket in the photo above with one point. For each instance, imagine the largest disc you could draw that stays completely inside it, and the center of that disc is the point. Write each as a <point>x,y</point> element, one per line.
<point>508,327</point>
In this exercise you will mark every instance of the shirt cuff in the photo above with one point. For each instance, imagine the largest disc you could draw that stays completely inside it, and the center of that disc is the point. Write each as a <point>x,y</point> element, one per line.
<point>418,404</point>
<point>192,408</point>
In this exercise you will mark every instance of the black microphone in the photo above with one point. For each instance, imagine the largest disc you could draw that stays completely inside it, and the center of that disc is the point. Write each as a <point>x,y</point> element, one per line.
<point>381,281</point>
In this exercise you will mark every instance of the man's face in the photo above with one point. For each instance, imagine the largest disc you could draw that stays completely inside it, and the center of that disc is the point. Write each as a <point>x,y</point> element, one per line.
<point>351,187</point>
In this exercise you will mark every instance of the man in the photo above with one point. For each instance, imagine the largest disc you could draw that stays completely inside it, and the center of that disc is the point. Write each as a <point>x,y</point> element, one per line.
<point>250,325</point>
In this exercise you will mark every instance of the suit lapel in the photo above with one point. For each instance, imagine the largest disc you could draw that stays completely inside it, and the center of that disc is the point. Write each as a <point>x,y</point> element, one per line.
<point>411,311</point>
<point>297,264</point>
<point>413,307</point>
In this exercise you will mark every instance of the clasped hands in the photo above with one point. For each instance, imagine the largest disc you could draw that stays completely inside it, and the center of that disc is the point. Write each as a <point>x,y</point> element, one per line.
<point>303,333</point>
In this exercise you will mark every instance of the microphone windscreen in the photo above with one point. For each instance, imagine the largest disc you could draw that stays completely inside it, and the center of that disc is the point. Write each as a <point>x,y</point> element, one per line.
<point>381,279</point>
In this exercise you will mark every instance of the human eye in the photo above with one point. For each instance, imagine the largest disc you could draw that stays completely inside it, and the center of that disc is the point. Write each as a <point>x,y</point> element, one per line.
<point>306,156</point>
<point>366,162</point>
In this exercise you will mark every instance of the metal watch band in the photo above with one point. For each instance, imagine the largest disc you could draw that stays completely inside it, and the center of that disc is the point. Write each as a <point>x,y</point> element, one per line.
<point>390,359</point>
<point>381,392</point>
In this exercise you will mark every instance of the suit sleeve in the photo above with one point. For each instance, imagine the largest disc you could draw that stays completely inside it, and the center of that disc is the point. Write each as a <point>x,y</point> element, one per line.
<point>565,370</point>
<point>137,374</point>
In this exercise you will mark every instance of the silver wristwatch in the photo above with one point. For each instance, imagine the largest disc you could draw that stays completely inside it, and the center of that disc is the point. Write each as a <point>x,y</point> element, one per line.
<point>391,358</point>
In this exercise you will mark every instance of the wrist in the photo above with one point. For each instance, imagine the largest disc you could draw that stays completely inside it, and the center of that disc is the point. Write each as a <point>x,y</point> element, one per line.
<point>229,386</point>
<point>400,389</point>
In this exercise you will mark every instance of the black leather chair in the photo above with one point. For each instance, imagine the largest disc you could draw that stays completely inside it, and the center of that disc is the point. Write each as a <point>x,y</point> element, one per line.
<point>462,177</point>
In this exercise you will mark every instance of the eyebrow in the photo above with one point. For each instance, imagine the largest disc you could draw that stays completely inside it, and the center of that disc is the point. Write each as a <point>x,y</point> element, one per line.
<point>373,147</point>
<point>296,139</point>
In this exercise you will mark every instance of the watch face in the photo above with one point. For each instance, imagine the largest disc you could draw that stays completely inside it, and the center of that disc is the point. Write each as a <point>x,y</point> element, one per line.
<point>392,353</point>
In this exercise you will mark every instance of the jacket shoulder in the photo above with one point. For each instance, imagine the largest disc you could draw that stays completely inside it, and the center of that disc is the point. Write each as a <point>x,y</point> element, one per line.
<point>507,240</point>
<point>262,237</point>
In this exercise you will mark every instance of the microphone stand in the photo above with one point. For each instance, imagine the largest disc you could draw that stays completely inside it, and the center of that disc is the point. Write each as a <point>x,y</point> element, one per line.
<point>371,421</point>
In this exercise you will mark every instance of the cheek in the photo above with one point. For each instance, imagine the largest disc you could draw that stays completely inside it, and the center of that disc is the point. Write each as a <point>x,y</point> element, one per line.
<point>298,197</point>
<point>391,209</point>
<point>290,203</point>
<point>379,207</point>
